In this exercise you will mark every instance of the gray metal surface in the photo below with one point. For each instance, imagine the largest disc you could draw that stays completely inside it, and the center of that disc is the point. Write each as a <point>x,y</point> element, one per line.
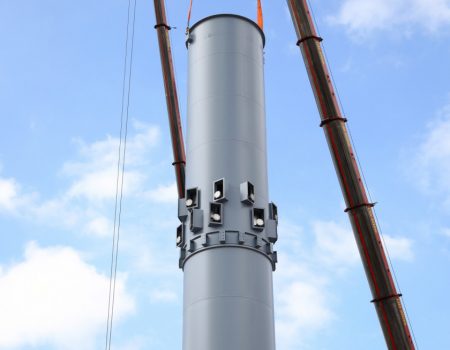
<point>227,247</point>
<point>226,136</point>
<point>228,301</point>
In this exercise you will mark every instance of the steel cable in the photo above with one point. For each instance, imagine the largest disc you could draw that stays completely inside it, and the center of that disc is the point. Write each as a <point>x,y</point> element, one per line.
<point>127,68</point>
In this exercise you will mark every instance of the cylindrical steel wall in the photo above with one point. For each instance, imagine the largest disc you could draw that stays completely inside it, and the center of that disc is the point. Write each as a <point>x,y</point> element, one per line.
<point>228,301</point>
<point>227,261</point>
<point>226,136</point>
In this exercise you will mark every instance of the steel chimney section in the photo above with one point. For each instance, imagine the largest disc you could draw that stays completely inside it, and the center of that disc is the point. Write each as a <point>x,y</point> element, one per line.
<point>228,225</point>
<point>385,296</point>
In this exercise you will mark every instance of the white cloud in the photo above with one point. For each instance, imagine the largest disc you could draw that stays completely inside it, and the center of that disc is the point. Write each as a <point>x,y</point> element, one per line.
<point>13,200</point>
<point>153,255</point>
<point>302,306</point>
<point>54,212</point>
<point>367,14</point>
<point>362,17</point>
<point>163,296</point>
<point>101,184</point>
<point>99,226</point>
<point>310,261</point>
<point>54,298</point>
<point>104,153</point>
<point>8,194</point>
<point>431,165</point>
<point>399,248</point>
<point>303,301</point>
<point>89,197</point>
<point>95,175</point>
<point>164,194</point>
<point>336,244</point>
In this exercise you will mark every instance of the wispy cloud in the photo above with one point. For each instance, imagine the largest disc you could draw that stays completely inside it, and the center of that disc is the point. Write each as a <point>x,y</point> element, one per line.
<point>311,260</point>
<point>366,17</point>
<point>101,184</point>
<point>164,194</point>
<point>430,167</point>
<point>53,297</point>
<point>163,296</point>
<point>8,194</point>
<point>303,298</point>
<point>99,226</point>
<point>85,205</point>
<point>12,197</point>
<point>95,174</point>
<point>302,307</point>
<point>399,248</point>
<point>98,154</point>
<point>335,244</point>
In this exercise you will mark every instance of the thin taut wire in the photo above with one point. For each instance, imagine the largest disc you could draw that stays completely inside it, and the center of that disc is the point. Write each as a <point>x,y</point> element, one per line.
<point>123,173</point>
<point>121,160</point>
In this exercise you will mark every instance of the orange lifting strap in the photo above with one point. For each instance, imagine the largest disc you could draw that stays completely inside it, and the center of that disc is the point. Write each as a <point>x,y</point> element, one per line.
<point>260,16</point>
<point>189,17</point>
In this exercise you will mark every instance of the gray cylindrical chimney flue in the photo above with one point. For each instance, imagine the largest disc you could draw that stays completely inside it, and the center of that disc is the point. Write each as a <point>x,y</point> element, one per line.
<point>228,225</point>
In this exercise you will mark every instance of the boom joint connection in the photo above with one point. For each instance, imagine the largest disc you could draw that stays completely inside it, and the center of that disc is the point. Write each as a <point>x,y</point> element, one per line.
<point>387,297</point>
<point>359,206</point>
<point>329,120</point>
<point>162,25</point>
<point>309,37</point>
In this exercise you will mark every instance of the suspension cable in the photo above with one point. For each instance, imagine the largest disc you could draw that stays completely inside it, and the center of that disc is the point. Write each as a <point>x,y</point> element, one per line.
<point>127,68</point>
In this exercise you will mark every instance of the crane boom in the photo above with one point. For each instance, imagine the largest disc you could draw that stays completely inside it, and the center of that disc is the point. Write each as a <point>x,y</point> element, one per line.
<point>171,95</point>
<point>385,296</point>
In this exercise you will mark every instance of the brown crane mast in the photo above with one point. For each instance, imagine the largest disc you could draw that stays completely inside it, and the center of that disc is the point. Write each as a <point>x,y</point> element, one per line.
<point>171,95</point>
<point>385,296</point>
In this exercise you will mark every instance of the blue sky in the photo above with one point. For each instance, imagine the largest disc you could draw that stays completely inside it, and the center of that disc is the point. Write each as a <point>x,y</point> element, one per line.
<point>60,90</point>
